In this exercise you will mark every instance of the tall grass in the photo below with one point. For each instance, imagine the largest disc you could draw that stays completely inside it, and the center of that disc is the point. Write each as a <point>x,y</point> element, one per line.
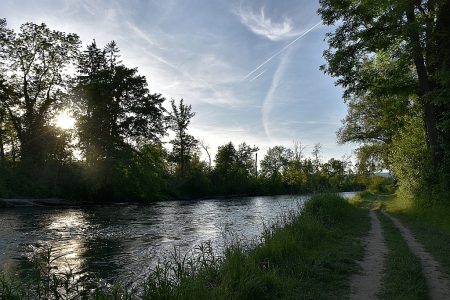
<point>304,256</point>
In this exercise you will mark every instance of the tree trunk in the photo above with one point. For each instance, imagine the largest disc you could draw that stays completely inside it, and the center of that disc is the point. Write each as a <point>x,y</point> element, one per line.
<point>2,146</point>
<point>424,85</point>
<point>31,150</point>
<point>442,37</point>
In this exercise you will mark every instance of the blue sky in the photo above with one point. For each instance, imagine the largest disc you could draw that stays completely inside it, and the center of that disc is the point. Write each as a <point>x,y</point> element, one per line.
<point>250,69</point>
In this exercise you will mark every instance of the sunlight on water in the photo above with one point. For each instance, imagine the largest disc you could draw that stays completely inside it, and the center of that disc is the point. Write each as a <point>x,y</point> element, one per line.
<point>68,242</point>
<point>121,243</point>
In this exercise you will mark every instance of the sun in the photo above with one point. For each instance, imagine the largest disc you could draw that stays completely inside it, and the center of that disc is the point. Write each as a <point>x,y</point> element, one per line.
<point>65,121</point>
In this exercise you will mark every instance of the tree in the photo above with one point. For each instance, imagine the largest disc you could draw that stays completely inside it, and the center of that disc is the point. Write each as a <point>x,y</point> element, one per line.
<point>234,167</point>
<point>225,160</point>
<point>184,144</point>
<point>37,59</point>
<point>414,34</point>
<point>276,161</point>
<point>298,150</point>
<point>316,154</point>
<point>3,123</point>
<point>116,111</point>
<point>206,148</point>
<point>244,159</point>
<point>371,158</point>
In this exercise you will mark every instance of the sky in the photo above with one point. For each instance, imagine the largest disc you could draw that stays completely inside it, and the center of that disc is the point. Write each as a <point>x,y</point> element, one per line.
<point>250,69</point>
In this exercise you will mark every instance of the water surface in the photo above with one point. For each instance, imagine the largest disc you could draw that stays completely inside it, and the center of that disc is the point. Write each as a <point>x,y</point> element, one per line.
<point>119,242</point>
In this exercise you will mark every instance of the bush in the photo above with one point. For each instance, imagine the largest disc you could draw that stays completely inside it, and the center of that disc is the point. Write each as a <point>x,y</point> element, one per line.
<point>378,184</point>
<point>411,162</point>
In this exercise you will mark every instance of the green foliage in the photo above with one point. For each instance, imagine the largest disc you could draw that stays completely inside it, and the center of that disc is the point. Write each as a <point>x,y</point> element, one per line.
<point>372,158</point>
<point>115,153</point>
<point>391,58</point>
<point>184,144</point>
<point>380,185</point>
<point>410,159</point>
<point>276,161</point>
<point>115,109</point>
<point>235,168</point>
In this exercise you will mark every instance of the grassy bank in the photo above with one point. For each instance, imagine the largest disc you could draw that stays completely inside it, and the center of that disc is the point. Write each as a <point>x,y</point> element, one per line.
<point>311,256</point>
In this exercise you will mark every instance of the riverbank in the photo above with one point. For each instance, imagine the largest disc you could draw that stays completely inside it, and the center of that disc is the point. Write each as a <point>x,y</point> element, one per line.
<point>61,203</point>
<point>310,255</point>
<point>52,202</point>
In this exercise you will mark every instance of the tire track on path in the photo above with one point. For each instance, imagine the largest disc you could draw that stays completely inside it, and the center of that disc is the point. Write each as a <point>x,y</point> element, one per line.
<point>438,283</point>
<point>366,285</point>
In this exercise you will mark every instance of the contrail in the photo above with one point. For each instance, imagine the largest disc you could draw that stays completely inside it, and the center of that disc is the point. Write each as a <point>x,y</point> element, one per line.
<point>257,76</point>
<point>281,50</point>
<point>268,100</point>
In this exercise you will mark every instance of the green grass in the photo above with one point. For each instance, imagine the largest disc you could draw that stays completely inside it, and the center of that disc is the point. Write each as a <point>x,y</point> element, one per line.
<point>311,256</point>
<point>403,277</point>
<point>431,227</point>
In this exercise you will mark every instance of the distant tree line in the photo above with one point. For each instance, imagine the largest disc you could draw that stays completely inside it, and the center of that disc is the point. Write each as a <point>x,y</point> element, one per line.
<point>115,151</point>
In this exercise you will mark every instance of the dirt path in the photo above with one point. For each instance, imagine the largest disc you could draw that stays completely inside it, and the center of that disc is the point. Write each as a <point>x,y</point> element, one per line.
<point>438,283</point>
<point>368,283</point>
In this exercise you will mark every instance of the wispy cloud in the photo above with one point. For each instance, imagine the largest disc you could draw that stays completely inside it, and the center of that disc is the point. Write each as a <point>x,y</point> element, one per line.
<point>268,101</point>
<point>281,50</point>
<point>264,26</point>
<point>206,70</point>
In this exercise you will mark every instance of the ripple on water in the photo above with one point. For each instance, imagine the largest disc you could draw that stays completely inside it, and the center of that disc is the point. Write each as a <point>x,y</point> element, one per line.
<point>120,242</point>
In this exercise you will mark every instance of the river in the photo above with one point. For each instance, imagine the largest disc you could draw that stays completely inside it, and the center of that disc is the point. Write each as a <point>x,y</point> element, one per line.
<point>119,242</point>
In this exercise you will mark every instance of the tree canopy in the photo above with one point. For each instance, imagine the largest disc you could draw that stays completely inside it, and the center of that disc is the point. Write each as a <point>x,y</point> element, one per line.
<point>35,86</point>
<point>392,59</point>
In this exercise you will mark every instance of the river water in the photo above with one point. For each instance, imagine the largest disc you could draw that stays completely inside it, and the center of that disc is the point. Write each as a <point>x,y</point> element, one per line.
<point>119,242</point>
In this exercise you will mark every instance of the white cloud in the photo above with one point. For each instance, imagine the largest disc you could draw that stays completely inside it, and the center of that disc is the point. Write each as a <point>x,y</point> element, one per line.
<point>259,24</point>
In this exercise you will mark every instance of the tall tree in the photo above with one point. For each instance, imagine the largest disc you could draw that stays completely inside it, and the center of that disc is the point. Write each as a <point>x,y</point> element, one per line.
<point>414,33</point>
<point>2,133</point>
<point>116,111</point>
<point>184,144</point>
<point>316,157</point>
<point>205,147</point>
<point>276,161</point>
<point>37,59</point>
<point>245,159</point>
<point>234,167</point>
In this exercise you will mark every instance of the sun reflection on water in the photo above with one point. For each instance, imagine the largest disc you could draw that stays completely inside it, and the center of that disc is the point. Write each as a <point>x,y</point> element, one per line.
<point>66,240</point>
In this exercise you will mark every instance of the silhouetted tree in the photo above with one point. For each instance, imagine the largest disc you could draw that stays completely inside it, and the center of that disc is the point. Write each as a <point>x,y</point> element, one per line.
<point>116,111</point>
<point>184,144</point>
<point>206,148</point>
<point>235,168</point>
<point>316,156</point>
<point>37,59</point>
